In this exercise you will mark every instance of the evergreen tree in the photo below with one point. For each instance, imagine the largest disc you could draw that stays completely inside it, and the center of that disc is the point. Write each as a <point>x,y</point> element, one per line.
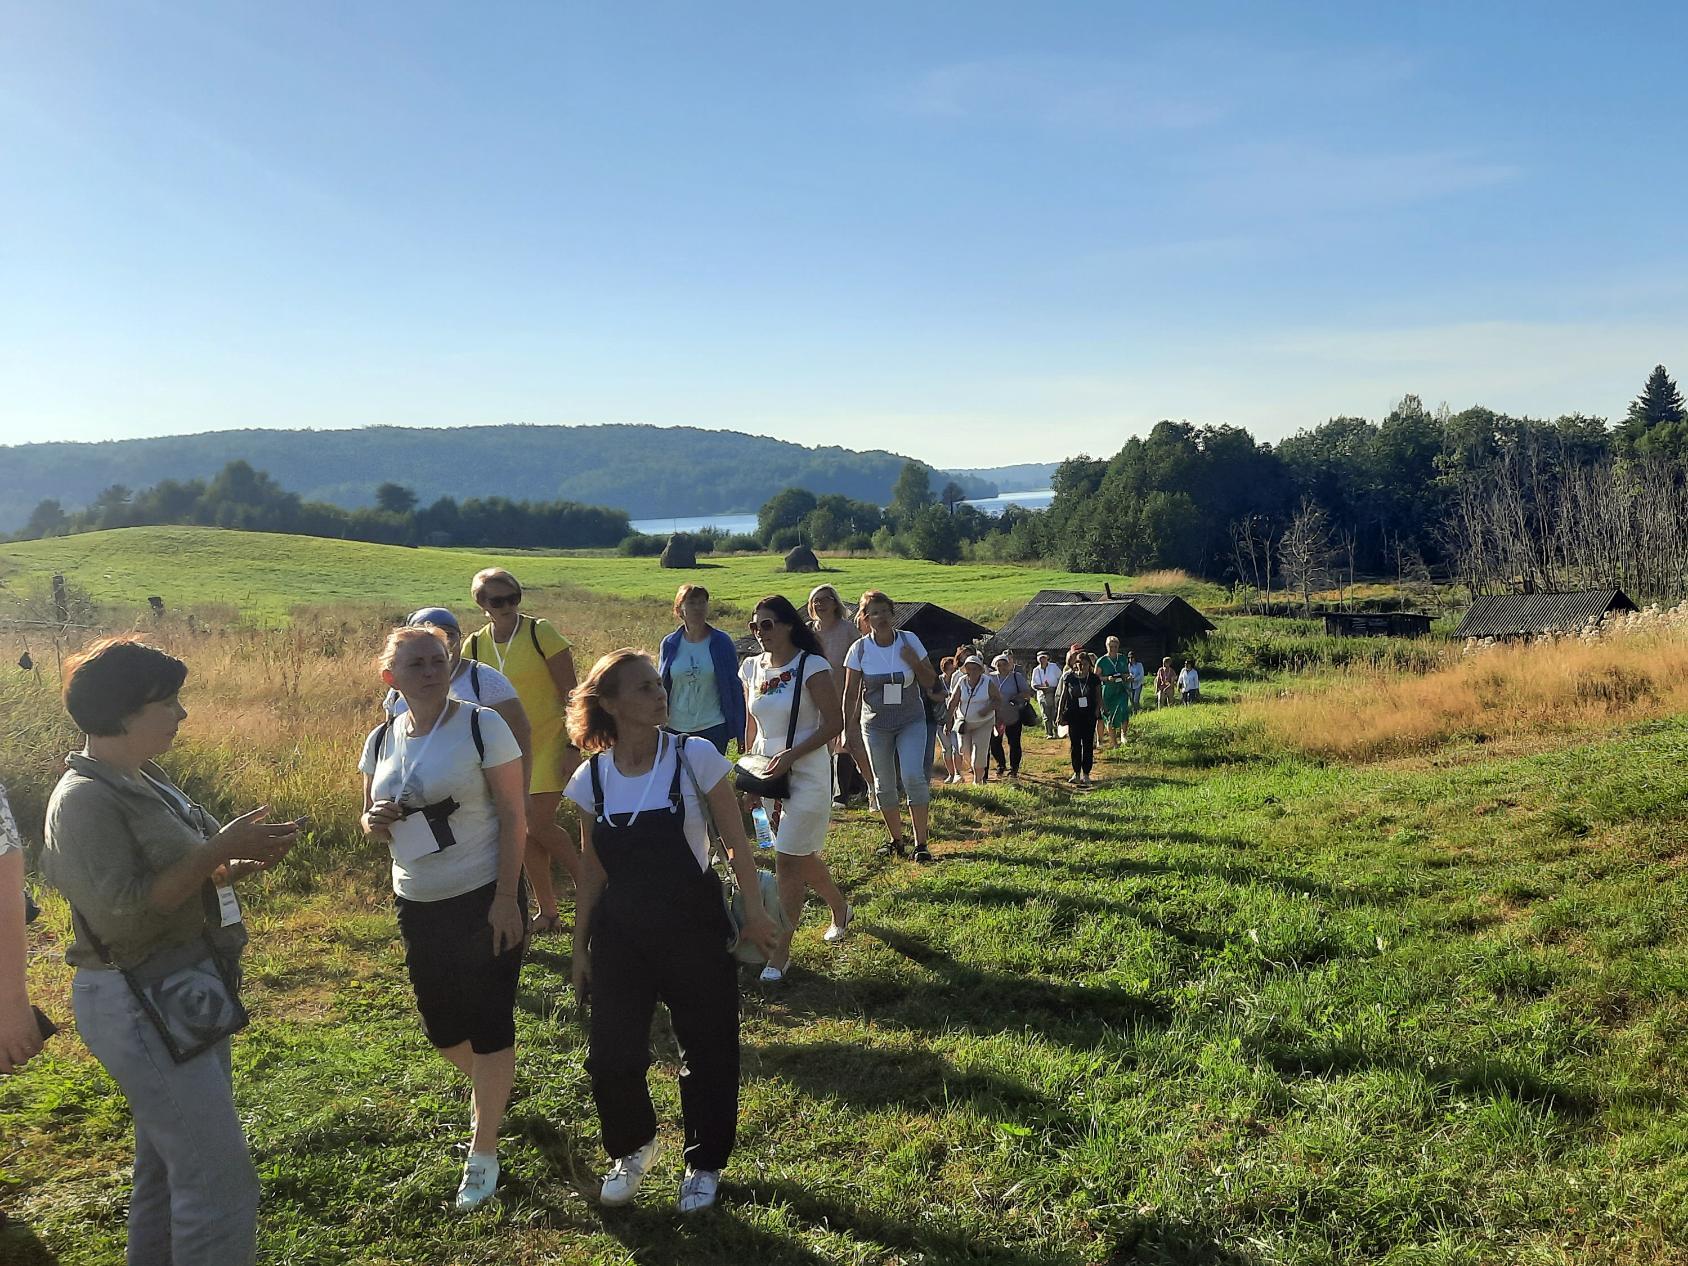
<point>395,499</point>
<point>1659,401</point>
<point>911,495</point>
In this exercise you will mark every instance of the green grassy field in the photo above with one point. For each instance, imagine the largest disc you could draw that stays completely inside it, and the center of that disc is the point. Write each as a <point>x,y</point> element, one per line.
<point>263,576</point>
<point>1230,1008</point>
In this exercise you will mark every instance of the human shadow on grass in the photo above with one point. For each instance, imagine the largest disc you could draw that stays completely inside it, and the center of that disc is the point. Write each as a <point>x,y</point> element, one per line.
<point>958,996</point>
<point>1154,1239</point>
<point>1483,1077</point>
<point>1069,909</point>
<point>652,1230</point>
<point>870,1226</point>
<point>873,1078</point>
<point>1119,867</point>
<point>20,1246</point>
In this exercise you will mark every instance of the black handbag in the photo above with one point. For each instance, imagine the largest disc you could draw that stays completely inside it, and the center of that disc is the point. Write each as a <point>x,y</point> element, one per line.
<point>750,775</point>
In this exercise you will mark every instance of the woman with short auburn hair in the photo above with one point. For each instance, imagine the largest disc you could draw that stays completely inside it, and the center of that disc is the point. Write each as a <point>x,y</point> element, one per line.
<point>698,665</point>
<point>537,660</point>
<point>149,876</point>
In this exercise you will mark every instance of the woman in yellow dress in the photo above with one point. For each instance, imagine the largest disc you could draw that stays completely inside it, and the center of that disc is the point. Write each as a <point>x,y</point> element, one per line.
<point>537,660</point>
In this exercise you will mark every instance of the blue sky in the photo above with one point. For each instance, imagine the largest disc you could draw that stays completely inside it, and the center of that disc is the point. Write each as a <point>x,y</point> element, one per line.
<point>974,233</point>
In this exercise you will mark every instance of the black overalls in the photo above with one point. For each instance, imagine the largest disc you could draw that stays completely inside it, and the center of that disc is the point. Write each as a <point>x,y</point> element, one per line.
<point>660,931</point>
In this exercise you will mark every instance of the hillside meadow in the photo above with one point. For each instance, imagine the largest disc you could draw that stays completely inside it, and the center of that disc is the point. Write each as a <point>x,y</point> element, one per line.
<point>263,576</point>
<point>1247,1002</point>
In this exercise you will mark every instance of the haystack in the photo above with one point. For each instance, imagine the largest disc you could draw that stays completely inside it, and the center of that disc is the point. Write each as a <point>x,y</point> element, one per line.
<point>678,552</point>
<point>802,558</point>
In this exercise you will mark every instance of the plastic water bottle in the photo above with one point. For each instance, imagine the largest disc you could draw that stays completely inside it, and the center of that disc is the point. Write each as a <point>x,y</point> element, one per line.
<point>764,827</point>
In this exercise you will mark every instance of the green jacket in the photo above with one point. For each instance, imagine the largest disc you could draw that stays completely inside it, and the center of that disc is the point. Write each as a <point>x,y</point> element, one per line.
<point>109,836</point>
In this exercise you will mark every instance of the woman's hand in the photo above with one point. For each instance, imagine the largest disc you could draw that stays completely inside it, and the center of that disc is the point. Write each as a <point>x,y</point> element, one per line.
<point>580,975</point>
<point>761,932</point>
<point>781,764</point>
<point>20,1033</point>
<point>379,818</point>
<point>508,922</point>
<point>911,657</point>
<point>250,838</point>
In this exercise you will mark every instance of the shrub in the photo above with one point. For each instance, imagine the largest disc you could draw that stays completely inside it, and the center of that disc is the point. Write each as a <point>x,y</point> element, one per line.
<point>784,539</point>
<point>641,545</point>
<point>739,543</point>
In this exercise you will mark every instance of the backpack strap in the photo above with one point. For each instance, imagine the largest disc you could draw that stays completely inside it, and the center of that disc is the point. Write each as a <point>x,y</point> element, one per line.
<point>475,731</point>
<point>475,680</point>
<point>474,646</point>
<point>597,789</point>
<point>381,743</point>
<point>533,631</point>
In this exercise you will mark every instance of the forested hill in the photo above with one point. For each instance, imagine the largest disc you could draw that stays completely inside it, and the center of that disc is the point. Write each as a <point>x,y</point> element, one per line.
<point>647,471</point>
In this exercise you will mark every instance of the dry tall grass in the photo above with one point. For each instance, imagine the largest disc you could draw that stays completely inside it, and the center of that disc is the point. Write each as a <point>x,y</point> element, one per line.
<point>278,716</point>
<point>1562,686</point>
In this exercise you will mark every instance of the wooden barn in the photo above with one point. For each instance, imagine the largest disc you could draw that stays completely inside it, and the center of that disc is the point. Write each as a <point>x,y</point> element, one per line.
<point>939,629</point>
<point>1056,626</point>
<point>1158,624</point>
<point>1376,624</point>
<point>1530,614</point>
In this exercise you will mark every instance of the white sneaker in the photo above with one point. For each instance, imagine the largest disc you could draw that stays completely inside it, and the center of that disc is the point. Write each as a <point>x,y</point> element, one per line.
<point>480,1179</point>
<point>837,931</point>
<point>772,975</point>
<point>697,1189</point>
<point>621,1184</point>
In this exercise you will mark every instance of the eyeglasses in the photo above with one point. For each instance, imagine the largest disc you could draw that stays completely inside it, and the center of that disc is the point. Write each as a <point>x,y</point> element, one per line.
<point>496,602</point>
<point>762,626</point>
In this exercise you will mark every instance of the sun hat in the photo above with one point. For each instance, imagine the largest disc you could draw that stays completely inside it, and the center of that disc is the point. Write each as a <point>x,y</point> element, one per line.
<point>972,659</point>
<point>437,616</point>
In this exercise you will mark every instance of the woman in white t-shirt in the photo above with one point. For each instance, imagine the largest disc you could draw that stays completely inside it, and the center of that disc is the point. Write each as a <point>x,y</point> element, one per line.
<point>886,676</point>
<point>443,788</point>
<point>650,924</point>
<point>473,682</point>
<point>972,714</point>
<point>791,652</point>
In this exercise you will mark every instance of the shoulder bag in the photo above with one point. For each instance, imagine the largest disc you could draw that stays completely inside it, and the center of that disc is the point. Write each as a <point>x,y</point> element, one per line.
<point>190,994</point>
<point>750,775</point>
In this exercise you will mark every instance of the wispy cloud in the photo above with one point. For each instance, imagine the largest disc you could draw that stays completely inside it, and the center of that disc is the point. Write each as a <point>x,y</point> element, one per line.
<point>1279,175</point>
<point>1058,92</point>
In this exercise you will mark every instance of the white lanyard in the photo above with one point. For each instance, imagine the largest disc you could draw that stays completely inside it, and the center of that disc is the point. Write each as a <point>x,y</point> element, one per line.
<point>493,638</point>
<point>650,778</point>
<point>421,748</point>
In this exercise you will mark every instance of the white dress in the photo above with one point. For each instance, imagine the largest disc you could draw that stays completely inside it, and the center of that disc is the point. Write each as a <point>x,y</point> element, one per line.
<point>768,690</point>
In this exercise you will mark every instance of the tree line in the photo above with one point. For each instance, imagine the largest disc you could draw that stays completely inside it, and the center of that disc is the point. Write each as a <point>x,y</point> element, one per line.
<point>1491,500</point>
<point>250,500</point>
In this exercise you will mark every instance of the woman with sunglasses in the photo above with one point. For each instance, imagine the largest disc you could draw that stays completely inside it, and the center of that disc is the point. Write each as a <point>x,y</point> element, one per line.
<point>537,660</point>
<point>790,651</point>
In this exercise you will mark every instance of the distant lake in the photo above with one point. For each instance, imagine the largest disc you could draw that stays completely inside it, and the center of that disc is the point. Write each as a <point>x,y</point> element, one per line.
<point>736,523</point>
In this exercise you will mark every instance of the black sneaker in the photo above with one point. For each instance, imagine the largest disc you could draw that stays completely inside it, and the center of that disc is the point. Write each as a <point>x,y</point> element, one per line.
<point>891,848</point>
<point>923,855</point>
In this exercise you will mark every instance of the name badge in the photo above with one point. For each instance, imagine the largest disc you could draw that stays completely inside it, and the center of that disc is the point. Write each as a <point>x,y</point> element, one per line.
<point>413,838</point>
<point>229,904</point>
<point>1084,701</point>
<point>893,692</point>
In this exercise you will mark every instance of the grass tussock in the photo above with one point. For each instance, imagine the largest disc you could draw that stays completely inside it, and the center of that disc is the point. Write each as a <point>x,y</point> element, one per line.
<point>1507,691</point>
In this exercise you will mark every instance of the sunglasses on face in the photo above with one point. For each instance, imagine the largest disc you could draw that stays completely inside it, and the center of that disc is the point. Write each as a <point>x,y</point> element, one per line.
<point>497,601</point>
<point>762,626</point>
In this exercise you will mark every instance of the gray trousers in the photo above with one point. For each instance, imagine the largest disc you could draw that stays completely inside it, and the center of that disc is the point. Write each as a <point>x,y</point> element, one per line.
<point>195,1201</point>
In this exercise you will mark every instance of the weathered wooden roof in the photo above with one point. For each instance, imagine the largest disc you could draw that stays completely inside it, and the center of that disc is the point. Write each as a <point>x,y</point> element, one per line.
<point>1053,625</point>
<point>1521,614</point>
<point>1171,610</point>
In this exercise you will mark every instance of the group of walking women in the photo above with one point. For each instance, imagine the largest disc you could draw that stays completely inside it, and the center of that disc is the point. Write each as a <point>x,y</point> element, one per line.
<point>481,740</point>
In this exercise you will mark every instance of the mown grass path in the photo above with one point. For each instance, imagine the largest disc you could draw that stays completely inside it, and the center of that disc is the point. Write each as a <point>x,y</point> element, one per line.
<point>1226,1008</point>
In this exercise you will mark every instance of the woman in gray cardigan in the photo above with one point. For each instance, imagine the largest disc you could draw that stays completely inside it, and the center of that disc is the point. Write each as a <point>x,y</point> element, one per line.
<point>149,877</point>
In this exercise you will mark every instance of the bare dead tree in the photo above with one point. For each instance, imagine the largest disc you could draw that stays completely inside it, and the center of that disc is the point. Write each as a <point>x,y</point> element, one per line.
<point>1304,552</point>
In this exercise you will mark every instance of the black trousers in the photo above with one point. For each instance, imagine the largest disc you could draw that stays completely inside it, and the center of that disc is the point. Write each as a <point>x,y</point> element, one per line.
<point>1012,762</point>
<point>1081,742</point>
<point>685,965</point>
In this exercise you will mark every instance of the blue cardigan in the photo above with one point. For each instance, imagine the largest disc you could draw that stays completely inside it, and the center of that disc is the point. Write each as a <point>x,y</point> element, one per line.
<point>728,689</point>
